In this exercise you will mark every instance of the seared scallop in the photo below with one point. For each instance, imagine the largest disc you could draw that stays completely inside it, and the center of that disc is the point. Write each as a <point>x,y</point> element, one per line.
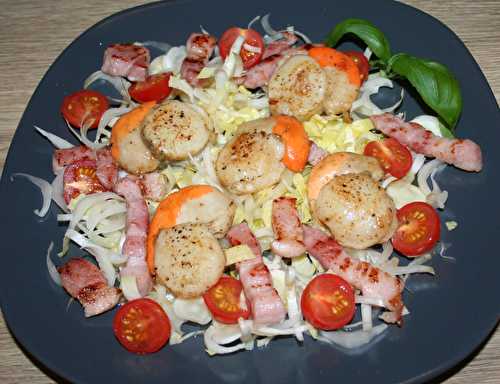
<point>188,260</point>
<point>298,88</point>
<point>339,163</point>
<point>340,92</point>
<point>356,210</point>
<point>174,130</point>
<point>251,161</point>
<point>134,156</point>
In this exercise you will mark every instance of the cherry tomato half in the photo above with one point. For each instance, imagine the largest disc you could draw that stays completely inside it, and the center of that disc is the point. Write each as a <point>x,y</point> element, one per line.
<point>84,107</point>
<point>419,229</point>
<point>393,157</point>
<point>328,302</point>
<point>223,301</point>
<point>252,38</point>
<point>142,326</point>
<point>80,177</point>
<point>154,88</point>
<point>362,63</point>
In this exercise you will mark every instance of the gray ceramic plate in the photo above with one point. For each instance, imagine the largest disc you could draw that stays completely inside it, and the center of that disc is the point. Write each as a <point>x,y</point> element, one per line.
<point>451,314</point>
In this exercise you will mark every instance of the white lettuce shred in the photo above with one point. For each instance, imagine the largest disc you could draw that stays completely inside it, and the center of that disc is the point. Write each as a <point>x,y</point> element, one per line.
<point>45,189</point>
<point>169,62</point>
<point>51,268</point>
<point>55,140</point>
<point>363,106</point>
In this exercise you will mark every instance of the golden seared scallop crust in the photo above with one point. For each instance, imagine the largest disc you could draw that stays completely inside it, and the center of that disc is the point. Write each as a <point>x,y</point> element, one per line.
<point>188,260</point>
<point>357,211</point>
<point>297,88</point>
<point>174,130</point>
<point>135,157</point>
<point>251,161</point>
<point>340,163</point>
<point>340,93</point>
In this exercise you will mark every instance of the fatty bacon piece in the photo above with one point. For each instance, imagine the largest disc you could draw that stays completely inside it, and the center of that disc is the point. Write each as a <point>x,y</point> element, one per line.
<point>64,157</point>
<point>199,47</point>
<point>287,228</point>
<point>373,282</point>
<point>266,305</point>
<point>126,60</point>
<point>464,154</point>
<point>136,233</point>
<point>86,283</point>
<point>107,170</point>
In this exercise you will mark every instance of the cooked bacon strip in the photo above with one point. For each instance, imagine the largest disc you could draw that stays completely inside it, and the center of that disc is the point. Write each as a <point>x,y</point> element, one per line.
<point>199,48</point>
<point>126,60</point>
<point>266,305</point>
<point>86,283</point>
<point>136,233</point>
<point>154,186</point>
<point>287,228</point>
<point>278,46</point>
<point>464,154</point>
<point>259,75</point>
<point>63,157</point>
<point>373,282</point>
<point>107,170</point>
<point>316,154</point>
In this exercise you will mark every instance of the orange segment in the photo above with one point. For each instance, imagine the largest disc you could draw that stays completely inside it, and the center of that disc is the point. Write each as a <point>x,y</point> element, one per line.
<point>329,57</point>
<point>166,216</point>
<point>296,142</point>
<point>126,124</point>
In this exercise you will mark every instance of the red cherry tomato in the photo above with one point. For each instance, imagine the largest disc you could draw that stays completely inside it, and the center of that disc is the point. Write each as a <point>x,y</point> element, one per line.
<point>142,326</point>
<point>419,229</point>
<point>80,177</point>
<point>328,302</point>
<point>393,157</point>
<point>84,107</point>
<point>223,301</point>
<point>154,88</point>
<point>362,63</point>
<point>252,38</point>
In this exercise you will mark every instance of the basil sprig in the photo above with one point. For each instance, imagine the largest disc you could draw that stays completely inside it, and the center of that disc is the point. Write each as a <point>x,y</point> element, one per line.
<point>436,85</point>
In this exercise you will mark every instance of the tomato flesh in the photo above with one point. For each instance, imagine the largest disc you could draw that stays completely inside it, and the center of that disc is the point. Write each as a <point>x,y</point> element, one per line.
<point>328,302</point>
<point>393,157</point>
<point>80,177</point>
<point>154,88</point>
<point>419,229</point>
<point>223,301</point>
<point>142,326</point>
<point>362,63</point>
<point>84,107</point>
<point>252,38</point>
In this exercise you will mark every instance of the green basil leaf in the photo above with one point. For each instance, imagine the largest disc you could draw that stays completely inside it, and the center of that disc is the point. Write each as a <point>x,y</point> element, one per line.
<point>366,31</point>
<point>445,132</point>
<point>434,82</point>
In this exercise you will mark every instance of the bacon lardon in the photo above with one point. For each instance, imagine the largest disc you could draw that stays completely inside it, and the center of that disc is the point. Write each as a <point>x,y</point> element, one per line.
<point>86,283</point>
<point>287,228</point>
<point>373,282</point>
<point>126,60</point>
<point>107,170</point>
<point>278,46</point>
<point>199,48</point>
<point>464,154</point>
<point>64,157</point>
<point>136,233</point>
<point>266,305</point>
